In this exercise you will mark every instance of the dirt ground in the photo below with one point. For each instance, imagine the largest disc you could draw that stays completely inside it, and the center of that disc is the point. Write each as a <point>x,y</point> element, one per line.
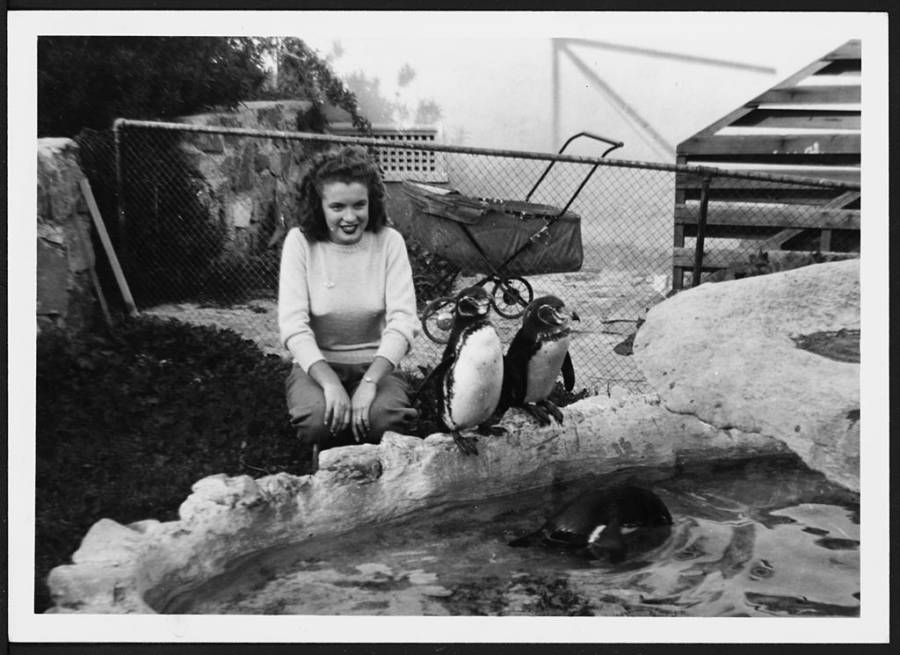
<point>608,303</point>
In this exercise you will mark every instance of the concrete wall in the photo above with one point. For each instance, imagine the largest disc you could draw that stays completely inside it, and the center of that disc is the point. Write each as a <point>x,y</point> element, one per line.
<point>65,298</point>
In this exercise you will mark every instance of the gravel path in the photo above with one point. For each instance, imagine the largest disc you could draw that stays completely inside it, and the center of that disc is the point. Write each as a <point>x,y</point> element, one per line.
<point>608,303</point>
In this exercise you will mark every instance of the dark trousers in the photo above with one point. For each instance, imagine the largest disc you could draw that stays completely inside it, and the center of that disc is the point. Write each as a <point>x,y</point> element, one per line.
<point>390,410</point>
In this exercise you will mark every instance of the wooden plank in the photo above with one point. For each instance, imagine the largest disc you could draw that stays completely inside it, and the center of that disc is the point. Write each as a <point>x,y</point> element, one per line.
<point>624,106</point>
<point>730,231</point>
<point>812,196</point>
<point>749,106</point>
<point>807,144</point>
<point>692,181</point>
<point>769,215</point>
<point>723,257</point>
<point>108,247</point>
<point>736,162</point>
<point>842,68</point>
<point>811,69</point>
<point>824,94</point>
<point>788,118</point>
<point>850,50</point>
<point>843,200</point>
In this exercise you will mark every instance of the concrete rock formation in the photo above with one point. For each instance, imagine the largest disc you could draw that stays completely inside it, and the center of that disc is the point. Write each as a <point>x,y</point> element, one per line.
<point>731,355</point>
<point>140,567</point>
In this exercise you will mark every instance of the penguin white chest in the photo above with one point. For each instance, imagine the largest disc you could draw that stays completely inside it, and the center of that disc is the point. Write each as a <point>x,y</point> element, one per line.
<point>543,369</point>
<point>472,386</point>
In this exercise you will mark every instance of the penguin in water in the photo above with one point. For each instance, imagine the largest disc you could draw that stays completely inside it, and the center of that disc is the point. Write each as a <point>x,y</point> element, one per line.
<point>536,356</point>
<point>606,524</point>
<point>470,373</point>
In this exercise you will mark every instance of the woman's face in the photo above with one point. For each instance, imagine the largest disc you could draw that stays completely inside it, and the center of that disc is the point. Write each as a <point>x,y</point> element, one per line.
<point>346,209</point>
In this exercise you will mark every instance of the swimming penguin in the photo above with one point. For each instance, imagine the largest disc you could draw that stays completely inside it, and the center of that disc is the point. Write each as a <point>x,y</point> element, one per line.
<point>470,373</point>
<point>536,356</point>
<point>606,524</point>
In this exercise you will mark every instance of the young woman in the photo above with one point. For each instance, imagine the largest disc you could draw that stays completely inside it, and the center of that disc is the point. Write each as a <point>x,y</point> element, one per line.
<point>346,307</point>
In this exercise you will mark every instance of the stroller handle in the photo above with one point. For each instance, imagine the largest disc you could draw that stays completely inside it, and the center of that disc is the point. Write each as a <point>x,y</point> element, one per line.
<point>591,135</point>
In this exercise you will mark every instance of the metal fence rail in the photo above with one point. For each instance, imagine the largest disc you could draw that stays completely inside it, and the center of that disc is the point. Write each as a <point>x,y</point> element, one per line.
<point>201,211</point>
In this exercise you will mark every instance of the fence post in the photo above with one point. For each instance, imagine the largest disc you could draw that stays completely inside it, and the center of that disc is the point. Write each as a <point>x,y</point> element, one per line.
<point>701,231</point>
<point>121,230</point>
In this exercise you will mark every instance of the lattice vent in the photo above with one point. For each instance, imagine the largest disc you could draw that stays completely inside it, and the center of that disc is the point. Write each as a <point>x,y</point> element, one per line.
<point>407,164</point>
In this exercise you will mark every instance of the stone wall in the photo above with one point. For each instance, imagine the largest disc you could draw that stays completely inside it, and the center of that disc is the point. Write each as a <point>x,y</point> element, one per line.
<point>65,297</point>
<point>250,182</point>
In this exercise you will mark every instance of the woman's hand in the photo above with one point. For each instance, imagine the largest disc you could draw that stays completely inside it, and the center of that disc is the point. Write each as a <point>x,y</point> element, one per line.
<point>337,407</point>
<point>359,407</point>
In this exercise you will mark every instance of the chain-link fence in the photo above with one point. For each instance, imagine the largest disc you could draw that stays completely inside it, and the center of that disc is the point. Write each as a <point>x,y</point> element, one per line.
<point>200,214</point>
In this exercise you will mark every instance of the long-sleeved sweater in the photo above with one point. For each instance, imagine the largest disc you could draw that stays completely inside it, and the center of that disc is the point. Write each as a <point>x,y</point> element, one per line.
<point>346,304</point>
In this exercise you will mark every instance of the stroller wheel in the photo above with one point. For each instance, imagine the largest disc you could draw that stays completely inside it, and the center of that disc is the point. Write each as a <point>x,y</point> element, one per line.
<point>437,319</point>
<point>511,296</point>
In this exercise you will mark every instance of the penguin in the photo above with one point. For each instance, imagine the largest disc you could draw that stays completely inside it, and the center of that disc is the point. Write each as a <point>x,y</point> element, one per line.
<point>606,524</point>
<point>470,373</point>
<point>536,356</point>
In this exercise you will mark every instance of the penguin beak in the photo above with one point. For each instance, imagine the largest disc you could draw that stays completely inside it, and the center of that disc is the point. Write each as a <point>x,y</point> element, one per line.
<point>470,306</point>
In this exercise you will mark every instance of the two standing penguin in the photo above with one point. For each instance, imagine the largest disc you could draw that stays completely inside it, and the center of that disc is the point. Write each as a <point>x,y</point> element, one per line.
<point>478,382</point>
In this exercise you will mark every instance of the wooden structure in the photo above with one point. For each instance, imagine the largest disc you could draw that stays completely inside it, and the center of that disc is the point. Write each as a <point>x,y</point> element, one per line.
<point>809,126</point>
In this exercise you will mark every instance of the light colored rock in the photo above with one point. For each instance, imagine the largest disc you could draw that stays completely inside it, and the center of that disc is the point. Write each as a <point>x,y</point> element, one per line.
<point>65,297</point>
<point>226,518</point>
<point>725,354</point>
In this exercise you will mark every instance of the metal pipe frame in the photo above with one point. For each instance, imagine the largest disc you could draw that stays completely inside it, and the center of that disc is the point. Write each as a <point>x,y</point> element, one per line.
<point>704,171</point>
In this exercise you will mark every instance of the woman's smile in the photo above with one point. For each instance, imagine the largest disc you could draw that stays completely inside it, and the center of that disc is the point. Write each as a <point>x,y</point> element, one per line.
<point>346,209</point>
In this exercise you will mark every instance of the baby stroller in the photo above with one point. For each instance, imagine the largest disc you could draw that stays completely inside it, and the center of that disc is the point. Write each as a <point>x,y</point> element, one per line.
<point>503,240</point>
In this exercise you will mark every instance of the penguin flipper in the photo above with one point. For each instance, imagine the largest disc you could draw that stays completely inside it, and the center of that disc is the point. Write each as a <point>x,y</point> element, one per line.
<point>568,372</point>
<point>515,364</point>
<point>436,374</point>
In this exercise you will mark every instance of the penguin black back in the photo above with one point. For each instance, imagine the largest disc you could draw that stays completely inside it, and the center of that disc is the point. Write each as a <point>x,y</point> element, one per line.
<point>604,521</point>
<point>538,353</point>
<point>470,373</point>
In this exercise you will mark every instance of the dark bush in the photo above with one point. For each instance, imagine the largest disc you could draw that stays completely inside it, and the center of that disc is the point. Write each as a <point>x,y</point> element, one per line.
<point>126,424</point>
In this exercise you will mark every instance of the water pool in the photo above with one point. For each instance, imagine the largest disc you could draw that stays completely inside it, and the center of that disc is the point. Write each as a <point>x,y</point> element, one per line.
<point>764,537</point>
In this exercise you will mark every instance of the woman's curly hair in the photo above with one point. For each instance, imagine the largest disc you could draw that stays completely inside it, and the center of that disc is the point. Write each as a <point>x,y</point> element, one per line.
<point>348,164</point>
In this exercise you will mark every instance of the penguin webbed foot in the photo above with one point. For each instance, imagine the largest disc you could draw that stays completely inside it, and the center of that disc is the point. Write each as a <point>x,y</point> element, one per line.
<point>490,428</point>
<point>538,413</point>
<point>466,445</point>
<point>542,411</point>
<point>553,410</point>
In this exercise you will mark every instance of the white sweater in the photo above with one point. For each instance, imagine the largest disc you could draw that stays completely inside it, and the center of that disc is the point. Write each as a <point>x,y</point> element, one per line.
<point>346,304</point>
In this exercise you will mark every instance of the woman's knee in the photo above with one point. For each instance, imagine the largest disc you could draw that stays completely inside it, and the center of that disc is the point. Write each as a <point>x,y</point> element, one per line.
<point>391,410</point>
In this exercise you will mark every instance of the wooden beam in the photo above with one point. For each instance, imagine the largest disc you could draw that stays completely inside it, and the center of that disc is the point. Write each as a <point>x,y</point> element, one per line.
<point>843,67</point>
<point>846,198</point>
<point>722,258</point>
<point>789,82</point>
<point>770,215</point>
<point>807,144</point>
<point>675,56</point>
<point>850,50</point>
<point>622,105</point>
<point>693,181</point>
<point>818,119</point>
<point>108,247</point>
<point>830,94</point>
